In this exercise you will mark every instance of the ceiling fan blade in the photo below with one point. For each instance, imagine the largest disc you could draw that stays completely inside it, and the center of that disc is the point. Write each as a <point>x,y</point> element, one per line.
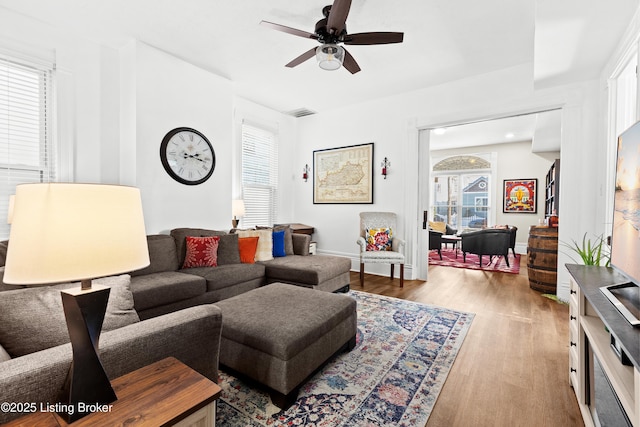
<point>349,63</point>
<point>289,30</point>
<point>374,38</point>
<point>336,22</point>
<point>300,59</point>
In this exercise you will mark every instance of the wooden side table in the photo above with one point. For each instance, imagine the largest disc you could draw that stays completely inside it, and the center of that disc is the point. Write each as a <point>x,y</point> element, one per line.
<point>300,228</point>
<point>165,393</point>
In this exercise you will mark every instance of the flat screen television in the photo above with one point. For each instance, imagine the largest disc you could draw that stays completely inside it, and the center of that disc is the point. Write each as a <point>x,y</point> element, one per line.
<point>625,238</point>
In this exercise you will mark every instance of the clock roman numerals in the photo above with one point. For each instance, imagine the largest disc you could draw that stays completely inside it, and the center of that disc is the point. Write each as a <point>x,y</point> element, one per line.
<point>187,156</point>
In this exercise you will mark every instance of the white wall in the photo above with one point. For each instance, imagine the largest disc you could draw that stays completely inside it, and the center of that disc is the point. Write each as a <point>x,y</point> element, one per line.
<point>171,93</point>
<point>154,92</point>
<point>84,117</point>
<point>393,123</point>
<point>115,106</point>
<point>286,128</point>
<point>514,161</point>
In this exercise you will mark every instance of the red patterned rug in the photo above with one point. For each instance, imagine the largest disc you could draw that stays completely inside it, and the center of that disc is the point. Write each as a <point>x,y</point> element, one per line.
<point>449,259</point>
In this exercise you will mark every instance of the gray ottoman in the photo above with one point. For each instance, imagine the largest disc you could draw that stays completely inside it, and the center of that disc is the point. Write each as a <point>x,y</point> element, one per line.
<point>279,334</point>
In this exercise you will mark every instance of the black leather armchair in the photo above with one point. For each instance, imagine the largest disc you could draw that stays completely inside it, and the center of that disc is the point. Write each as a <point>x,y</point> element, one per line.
<point>512,242</point>
<point>435,241</point>
<point>490,241</point>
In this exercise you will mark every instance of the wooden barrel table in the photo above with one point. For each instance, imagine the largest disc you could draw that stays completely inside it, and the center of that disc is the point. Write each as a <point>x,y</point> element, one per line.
<point>542,262</point>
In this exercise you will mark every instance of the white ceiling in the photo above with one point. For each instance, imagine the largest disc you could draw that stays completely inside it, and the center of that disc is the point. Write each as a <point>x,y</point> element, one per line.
<point>541,129</point>
<point>563,40</point>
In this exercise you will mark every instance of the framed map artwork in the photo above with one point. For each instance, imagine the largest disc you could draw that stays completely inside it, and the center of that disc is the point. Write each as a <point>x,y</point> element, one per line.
<point>343,175</point>
<point>520,196</point>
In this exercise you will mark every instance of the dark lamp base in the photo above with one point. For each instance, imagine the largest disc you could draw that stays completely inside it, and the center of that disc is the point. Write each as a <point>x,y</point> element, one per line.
<point>87,383</point>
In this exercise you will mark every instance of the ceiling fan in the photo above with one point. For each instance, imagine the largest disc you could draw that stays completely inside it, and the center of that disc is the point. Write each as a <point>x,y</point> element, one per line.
<point>331,31</point>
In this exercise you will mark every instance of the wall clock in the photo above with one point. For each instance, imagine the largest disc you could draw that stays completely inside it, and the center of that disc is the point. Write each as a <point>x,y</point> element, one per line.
<point>187,156</point>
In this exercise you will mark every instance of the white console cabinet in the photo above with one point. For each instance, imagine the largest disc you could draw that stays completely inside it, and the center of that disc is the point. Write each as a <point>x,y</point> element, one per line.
<point>592,323</point>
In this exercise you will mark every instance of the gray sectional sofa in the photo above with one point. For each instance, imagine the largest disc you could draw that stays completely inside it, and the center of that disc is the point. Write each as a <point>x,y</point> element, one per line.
<point>172,308</point>
<point>164,287</point>
<point>191,335</point>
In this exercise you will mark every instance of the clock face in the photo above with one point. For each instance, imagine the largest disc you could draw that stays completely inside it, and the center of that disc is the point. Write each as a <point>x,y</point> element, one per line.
<point>187,156</point>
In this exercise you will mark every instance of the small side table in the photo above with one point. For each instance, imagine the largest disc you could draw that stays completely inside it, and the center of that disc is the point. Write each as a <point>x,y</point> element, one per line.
<point>165,393</point>
<point>453,239</point>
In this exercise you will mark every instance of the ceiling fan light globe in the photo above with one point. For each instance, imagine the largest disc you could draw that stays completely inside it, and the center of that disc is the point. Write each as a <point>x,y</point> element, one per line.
<point>330,56</point>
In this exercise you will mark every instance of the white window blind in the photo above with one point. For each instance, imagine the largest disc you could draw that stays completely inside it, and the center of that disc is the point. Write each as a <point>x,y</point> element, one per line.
<point>259,176</point>
<point>26,147</point>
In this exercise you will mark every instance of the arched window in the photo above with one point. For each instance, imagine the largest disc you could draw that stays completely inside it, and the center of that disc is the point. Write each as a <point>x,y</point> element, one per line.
<point>461,191</point>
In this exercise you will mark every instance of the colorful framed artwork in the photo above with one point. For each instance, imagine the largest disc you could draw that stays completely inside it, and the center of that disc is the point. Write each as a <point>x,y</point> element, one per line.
<point>520,196</point>
<point>343,175</point>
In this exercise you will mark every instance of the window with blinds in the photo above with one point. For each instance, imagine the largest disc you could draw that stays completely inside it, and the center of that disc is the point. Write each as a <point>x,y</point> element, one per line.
<point>26,147</point>
<point>259,176</point>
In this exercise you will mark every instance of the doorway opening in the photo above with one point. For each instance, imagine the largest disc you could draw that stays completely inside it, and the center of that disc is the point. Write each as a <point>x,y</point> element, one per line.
<point>463,167</point>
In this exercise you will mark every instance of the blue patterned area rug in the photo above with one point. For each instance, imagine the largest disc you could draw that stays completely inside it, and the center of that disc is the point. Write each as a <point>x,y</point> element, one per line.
<point>392,377</point>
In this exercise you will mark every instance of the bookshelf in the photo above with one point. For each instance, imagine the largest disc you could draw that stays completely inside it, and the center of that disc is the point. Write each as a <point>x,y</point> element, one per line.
<point>552,187</point>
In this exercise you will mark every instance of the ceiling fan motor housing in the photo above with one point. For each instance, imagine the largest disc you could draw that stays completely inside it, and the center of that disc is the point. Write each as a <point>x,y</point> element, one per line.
<point>324,36</point>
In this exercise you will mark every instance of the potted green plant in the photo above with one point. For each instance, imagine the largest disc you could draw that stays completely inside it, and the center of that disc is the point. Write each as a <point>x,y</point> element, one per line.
<point>591,253</point>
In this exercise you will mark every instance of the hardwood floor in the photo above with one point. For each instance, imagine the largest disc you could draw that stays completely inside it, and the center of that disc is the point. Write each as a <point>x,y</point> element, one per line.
<point>513,368</point>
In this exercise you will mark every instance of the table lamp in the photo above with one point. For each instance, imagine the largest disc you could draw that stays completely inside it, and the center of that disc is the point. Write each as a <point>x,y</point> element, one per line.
<point>237,209</point>
<point>63,232</point>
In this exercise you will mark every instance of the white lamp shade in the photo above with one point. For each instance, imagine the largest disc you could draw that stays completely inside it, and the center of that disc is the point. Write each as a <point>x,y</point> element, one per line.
<point>237,207</point>
<point>69,232</point>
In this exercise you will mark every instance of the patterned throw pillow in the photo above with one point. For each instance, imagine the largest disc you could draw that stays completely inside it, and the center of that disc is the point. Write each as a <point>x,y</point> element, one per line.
<point>201,252</point>
<point>379,239</point>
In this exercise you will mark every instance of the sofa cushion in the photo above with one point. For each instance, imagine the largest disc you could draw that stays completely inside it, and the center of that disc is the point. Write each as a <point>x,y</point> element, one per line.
<point>308,270</point>
<point>4,356</point>
<point>162,255</point>
<point>277,237</point>
<point>288,236</point>
<point>228,275</point>
<point>265,242</point>
<point>33,319</point>
<point>180,235</point>
<point>228,250</point>
<point>301,243</point>
<point>201,252</point>
<point>248,247</point>
<point>438,226</point>
<point>157,289</point>
<point>4,245</point>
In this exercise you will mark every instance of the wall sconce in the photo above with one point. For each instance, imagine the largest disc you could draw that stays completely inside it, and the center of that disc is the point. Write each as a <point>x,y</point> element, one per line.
<point>386,164</point>
<point>305,172</point>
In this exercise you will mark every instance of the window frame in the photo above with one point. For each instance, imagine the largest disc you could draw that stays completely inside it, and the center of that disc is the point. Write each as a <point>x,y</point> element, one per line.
<point>17,86</point>
<point>255,194</point>
<point>459,206</point>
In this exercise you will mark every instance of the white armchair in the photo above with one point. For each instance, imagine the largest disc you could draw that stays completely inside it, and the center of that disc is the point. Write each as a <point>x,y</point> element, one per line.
<point>380,220</point>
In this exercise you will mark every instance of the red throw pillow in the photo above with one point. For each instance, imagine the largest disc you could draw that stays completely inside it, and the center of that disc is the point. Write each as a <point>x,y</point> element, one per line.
<point>248,247</point>
<point>201,252</point>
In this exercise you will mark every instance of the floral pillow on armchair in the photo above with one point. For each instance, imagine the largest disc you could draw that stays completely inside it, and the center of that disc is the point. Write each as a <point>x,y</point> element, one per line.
<point>379,239</point>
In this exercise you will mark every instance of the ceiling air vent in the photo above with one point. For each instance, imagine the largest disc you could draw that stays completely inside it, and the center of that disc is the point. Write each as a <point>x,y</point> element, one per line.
<point>301,112</point>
